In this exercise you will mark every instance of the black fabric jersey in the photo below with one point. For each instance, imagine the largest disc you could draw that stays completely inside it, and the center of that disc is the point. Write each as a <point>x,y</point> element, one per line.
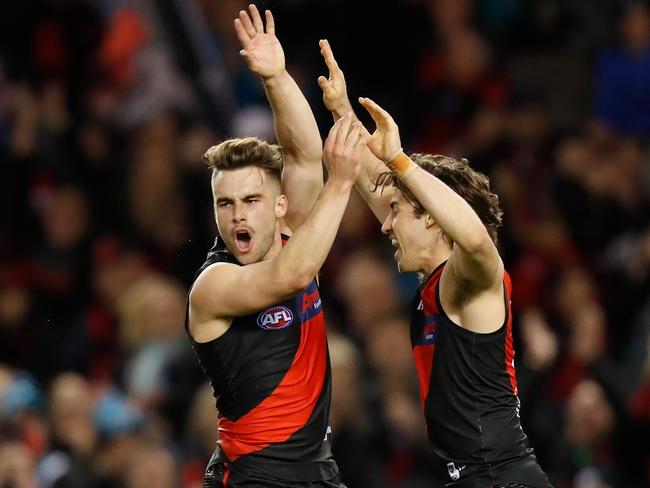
<point>468,392</point>
<point>270,374</point>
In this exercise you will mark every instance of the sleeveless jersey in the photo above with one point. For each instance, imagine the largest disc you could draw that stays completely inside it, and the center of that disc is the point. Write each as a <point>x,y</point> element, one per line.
<point>270,374</point>
<point>468,392</point>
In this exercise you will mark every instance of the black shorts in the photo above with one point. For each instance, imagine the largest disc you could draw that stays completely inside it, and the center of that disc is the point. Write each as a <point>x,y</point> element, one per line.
<point>221,473</point>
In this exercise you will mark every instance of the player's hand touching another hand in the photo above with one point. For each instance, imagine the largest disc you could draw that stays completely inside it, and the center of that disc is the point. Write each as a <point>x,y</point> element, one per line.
<point>335,93</point>
<point>343,148</point>
<point>385,142</point>
<point>262,51</point>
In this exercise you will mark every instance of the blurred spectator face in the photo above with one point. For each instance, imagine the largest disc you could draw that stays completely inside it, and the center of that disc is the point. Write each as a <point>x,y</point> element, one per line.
<point>16,466</point>
<point>24,123</point>
<point>94,141</point>
<point>590,418</point>
<point>575,287</point>
<point>255,121</point>
<point>451,15</point>
<point>15,302</point>
<point>152,466</point>
<point>202,419</point>
<point>255,221</point>
<point>573,158</point>
<point>635,26</point>
<point>528,125</point>
<point>356,219</point>
<point>346,382</point>
<point>369,291</point>
<point>192,147</point>
<point>404,415</point>
<point>151,309</point>
<point>115,270</point>
<point>152,182</point>
<point>65,219</point>
<point>389,352</point>
<point>467,58</point>
<point>71,413</point>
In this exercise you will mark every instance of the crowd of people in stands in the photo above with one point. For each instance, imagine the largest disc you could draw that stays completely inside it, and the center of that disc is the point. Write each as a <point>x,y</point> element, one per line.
<point>106,108</point>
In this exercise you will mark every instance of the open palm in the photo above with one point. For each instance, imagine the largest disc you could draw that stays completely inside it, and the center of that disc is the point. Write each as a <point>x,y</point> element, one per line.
<point>261,49</point>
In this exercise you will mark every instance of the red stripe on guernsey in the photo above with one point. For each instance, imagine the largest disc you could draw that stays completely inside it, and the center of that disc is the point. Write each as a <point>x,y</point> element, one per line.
<point>288,408</point>
<point>423,354</point>
<point>226,476</point>
<point>510,351</point>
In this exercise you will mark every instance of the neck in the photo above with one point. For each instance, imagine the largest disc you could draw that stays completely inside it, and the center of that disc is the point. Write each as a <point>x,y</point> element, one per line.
<point>435,259</point>
<point>276,247</point>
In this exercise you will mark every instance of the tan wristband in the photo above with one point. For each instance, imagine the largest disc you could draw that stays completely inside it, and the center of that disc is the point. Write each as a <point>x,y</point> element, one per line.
<point>401,164</point>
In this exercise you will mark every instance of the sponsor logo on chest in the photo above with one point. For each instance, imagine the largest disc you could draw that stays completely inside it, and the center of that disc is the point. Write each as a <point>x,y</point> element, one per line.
<point>310,300</point>
<point>275,318</point>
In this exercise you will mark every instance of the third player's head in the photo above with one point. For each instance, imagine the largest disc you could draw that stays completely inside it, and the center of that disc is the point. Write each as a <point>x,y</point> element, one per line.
<point>420,242</point>
<point>248,200</point>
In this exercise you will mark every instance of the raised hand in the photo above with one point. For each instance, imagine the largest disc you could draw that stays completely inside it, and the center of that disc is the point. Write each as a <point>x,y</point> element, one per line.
<point>385,142</point>
<point>335,94</point>
<point>262,51</point>
<point>343,148</point>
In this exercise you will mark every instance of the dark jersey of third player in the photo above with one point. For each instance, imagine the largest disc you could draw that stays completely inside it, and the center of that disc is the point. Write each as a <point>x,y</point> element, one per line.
<point>270,373</point>
<point>468,392</point>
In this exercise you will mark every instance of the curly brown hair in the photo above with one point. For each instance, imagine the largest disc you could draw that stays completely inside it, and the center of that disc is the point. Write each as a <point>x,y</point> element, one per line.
<point>457,174</point>
<point>242,152</point>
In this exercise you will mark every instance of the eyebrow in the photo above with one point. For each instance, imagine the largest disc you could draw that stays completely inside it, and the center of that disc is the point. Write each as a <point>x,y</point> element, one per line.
<point>230,200</point>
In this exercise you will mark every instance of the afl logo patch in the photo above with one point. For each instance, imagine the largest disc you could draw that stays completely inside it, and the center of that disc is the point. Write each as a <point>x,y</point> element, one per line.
<point>274,318</point>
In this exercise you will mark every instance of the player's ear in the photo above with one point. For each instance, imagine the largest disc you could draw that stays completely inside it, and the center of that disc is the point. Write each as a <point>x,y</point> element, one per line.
<point>429,222</point>
<point>281,206</point>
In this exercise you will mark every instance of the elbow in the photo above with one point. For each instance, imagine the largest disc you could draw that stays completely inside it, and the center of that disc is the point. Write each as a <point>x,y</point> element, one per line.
<point>478,241</point>
<point>292,281</point>
<point>300,281</point>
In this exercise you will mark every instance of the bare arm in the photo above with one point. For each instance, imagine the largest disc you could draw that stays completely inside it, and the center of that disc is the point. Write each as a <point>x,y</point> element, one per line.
<point>295,125</point>
<point>475,258</point>
<point>336,100</point>
<point>225,290</point>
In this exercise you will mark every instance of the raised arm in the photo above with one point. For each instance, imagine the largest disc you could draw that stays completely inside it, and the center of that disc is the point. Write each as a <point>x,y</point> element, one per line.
<point>295,125</point>
<point>336,100</point>
<point>475,258</point>
<point>226,290</point>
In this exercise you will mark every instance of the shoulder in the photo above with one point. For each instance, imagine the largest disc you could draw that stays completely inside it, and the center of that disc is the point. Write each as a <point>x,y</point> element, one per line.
<point>209,280</point>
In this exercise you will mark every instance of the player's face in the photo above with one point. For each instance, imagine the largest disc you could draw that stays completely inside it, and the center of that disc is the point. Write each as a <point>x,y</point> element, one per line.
<point>247,204</point>
<point>407,232</point>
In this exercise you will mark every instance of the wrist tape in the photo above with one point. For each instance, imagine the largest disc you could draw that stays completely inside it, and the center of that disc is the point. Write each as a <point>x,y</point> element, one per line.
<point>401,164</point>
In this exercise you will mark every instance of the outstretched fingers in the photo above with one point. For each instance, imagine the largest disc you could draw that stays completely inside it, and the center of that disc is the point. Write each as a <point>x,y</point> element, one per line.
<point>257,19</point>
<point>328,55</point>
<point>242,35</point>
<point>246,23</point>
<point>378,114</point>
<point>270,22</point>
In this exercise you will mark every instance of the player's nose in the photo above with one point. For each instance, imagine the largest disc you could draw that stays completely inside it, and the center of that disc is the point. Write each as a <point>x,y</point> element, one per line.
<point>239,212</point>
<point>387,226</point>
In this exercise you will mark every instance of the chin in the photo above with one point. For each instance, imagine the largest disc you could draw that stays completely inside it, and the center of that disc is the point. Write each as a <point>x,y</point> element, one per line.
<point>403,267</point>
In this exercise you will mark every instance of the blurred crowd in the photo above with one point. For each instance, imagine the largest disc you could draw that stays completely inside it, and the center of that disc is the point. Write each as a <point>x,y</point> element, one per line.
<point>106,108</point>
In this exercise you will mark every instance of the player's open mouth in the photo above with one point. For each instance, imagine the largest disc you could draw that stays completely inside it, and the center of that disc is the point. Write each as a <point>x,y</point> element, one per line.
<point>395,244</point>
<point>243,241</point>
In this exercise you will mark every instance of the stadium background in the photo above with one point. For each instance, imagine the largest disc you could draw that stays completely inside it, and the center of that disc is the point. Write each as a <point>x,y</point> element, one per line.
<point>105,214</point>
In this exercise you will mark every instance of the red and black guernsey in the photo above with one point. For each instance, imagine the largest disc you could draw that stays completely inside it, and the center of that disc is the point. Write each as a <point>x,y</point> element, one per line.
<point>270,374</point>
<point>468,392</point>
